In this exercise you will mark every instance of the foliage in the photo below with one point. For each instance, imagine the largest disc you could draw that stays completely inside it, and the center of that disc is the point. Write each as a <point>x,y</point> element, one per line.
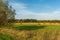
<point>6,13</point>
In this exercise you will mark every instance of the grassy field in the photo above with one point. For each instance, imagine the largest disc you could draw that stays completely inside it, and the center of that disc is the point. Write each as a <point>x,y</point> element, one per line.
<point>30,32</point>
<point>38,26</point>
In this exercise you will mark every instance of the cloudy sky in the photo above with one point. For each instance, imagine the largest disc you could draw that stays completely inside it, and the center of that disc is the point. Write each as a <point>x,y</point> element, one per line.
<point>36,9</point>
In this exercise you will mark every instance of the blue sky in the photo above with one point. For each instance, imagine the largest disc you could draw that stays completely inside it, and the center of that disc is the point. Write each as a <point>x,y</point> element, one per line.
<point>36,9</point>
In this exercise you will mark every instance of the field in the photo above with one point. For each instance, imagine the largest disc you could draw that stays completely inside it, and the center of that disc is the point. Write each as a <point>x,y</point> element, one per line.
<point>31,31</point>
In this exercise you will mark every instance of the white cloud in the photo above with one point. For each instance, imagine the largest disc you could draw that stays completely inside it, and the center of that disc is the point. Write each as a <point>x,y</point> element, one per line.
<point>18,6</point>
<point>23,13</point>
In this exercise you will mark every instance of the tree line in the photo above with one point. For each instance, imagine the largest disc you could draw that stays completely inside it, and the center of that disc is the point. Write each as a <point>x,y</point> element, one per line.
<point>35,21</point>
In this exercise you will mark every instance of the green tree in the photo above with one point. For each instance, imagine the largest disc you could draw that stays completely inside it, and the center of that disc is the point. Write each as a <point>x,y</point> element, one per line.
<point>6,13</point>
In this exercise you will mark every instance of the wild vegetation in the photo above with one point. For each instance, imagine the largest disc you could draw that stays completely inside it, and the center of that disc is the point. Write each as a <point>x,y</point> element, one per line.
<point>30,32</point>
<point>26,29</point>
<point>6,13</point>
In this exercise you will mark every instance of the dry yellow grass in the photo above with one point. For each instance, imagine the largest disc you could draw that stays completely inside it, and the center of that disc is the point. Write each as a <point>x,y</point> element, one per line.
<point>41,34</point>
<point>40,23</point>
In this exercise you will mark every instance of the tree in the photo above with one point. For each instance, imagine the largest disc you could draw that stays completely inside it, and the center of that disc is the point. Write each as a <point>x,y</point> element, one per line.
<point>6,12</point>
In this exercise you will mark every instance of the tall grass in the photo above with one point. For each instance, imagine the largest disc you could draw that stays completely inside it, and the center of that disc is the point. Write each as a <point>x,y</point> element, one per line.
<point>30,32</point>
<point>5,36</point>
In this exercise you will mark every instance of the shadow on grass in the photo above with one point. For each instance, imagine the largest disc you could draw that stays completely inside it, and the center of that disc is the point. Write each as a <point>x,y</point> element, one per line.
<point>30,27</point>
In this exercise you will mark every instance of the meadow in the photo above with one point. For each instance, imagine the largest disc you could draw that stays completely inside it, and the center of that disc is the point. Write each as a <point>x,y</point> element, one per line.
<point>30,31</point>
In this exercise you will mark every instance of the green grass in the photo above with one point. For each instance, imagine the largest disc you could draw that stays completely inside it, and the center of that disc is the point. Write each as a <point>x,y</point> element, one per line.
<point>27,32</point>
<point>53,27</point>
<point>28,27</point>
<point>5,36</point>
<point>32,27</point>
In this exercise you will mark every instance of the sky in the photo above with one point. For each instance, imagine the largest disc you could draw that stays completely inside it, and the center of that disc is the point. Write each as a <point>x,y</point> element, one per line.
<point>36,9</point>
